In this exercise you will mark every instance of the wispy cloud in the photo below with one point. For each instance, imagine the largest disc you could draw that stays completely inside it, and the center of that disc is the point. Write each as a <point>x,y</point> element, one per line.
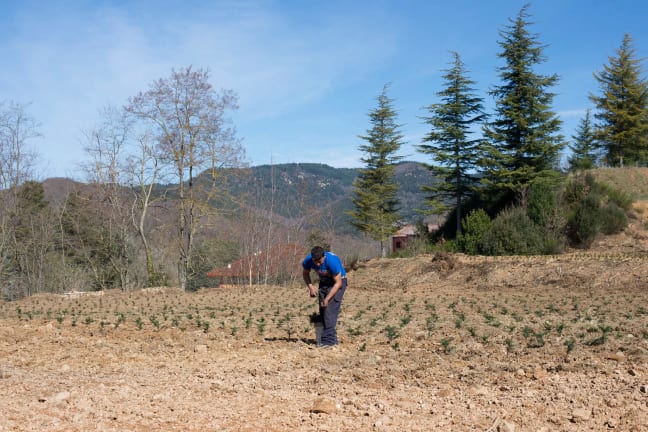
<point>307,73</point>
<point>72,61</point>
<point>572,113</point>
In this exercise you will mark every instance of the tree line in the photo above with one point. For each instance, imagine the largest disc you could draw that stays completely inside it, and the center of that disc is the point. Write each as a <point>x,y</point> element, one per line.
<point>151,210</point>
<point>169,134</point>
<point>507,163</point>
<point>159,204</point>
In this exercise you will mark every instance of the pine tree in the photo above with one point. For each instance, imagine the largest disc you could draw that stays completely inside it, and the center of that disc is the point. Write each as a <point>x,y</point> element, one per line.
<point>584,148</point>
<point>376,205</point>
<point>455,156</point>
<point>523,139</point>
<point>622,115</point>
<point>32,236</point>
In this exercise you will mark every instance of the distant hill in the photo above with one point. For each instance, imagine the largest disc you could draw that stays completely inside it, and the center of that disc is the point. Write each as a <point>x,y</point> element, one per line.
<point>300,186</point>
<point>56,189</point>
<point>298,191</point>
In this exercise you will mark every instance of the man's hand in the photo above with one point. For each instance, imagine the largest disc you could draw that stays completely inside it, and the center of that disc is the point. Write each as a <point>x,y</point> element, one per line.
<point>334,289</point>
<point>312,291</point>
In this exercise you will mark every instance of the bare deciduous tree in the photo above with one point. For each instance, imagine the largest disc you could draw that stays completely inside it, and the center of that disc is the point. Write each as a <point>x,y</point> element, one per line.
<point>188,119</point>
<point>17,129</point>
<point>17,160</point>
<point>107,147</point>
<point>143,170</point>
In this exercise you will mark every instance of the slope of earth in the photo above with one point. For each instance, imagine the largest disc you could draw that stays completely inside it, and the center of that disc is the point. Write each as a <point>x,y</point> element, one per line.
<point>444,342</point>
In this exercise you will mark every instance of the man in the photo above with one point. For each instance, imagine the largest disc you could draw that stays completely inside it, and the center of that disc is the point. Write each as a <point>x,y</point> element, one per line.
<point>332,285</point>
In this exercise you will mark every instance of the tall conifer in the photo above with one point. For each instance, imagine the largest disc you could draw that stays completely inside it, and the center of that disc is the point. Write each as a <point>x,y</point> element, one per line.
<point>454,153</point>
<point>374,197</point>
<point>622,108</point>
<point>584,148</point>
<point>523,139</point>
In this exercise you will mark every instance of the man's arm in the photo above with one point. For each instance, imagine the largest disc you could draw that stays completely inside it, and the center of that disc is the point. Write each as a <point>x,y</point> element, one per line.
<point>309,283</point>
<point>334,289</point>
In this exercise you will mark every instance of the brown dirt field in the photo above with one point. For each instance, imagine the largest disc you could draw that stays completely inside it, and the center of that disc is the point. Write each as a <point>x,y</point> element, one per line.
<point>444,342</point>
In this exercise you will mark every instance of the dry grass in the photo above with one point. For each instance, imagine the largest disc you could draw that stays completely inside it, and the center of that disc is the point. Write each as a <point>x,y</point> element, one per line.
<point>632,180</point>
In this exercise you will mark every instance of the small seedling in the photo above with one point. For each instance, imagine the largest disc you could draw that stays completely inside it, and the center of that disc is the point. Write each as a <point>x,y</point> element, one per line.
<point>261,323</point>
<point>570,344</point>
<point>539,341</point>
<point>605,330</point>
<point>120,319</point>
<point>527,331</point>
<point>445,343</point>
<point>429,324</point>
<point>405,320</point>
<point>154,321</point>
<point>391,333</point>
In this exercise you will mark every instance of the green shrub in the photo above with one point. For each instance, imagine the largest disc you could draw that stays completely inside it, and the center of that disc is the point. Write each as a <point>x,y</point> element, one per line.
<point>577,188</point>
<point>585,222</point>
<point>450,246</point>
<point>555,212</point>
<point>543,202</point>
<point>545,209</point>
<point>613,219</point>
<point>475,225</point>
<point>554,243</point>
<point>513,233</point>
<point>619,197</point>
<point>595,208</point>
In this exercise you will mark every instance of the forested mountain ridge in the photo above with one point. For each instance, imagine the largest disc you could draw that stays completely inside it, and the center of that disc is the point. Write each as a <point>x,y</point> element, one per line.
<point>292,192</point>
<point>294,188</point>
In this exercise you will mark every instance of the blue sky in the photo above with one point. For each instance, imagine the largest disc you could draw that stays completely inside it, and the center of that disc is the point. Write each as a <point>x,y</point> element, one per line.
<point>306,72</point>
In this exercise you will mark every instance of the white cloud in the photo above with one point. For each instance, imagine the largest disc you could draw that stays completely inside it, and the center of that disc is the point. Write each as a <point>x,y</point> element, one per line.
<point>73,61</point>
<point>578,113</point>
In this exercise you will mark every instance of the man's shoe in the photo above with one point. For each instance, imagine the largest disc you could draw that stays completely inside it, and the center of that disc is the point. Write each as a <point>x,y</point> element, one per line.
<point>327,346</point>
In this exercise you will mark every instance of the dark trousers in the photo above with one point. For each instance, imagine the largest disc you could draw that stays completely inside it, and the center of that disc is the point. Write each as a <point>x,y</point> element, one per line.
<point>330,313</point>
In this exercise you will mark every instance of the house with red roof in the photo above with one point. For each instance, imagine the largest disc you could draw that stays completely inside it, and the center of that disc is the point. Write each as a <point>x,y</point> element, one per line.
<point>404,236</point>
<point>279,264</point>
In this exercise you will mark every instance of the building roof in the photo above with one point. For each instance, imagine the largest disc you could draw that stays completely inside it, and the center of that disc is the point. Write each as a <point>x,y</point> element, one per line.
<point>410,230</point>
<point>407,230</point>
<point>279,258</point>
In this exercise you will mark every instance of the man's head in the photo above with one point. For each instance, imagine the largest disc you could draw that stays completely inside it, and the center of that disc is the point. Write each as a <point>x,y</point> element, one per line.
<point>317,253</point>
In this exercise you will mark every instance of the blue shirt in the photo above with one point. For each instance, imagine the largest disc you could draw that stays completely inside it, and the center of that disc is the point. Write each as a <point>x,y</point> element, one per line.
<point>331,266</point>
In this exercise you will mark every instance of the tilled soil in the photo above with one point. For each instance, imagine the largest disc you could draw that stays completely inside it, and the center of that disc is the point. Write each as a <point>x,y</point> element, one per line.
<point>442,342</point>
